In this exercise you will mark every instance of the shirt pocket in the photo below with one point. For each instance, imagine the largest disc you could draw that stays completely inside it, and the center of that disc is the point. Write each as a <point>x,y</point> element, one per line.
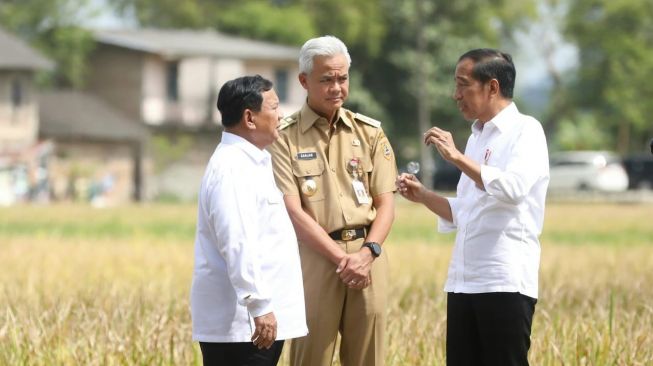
<point>307,170</point>
<point>366,167</point>
<point>495,160</point>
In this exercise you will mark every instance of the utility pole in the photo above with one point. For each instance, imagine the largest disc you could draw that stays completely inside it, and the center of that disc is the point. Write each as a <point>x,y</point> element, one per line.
<point>423,98</point>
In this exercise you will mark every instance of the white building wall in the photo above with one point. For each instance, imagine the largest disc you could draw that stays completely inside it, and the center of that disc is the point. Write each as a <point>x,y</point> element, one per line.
<point>267,69</point>
<point>116,76</point>
<point>297,93</point>
<point>153,106</point>
<point>18,124</point>
<point>195,90</point>
<point>199,81</point>
<point>223,71</point>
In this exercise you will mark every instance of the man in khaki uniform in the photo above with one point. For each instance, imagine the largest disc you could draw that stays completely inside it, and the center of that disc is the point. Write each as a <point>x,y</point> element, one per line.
<point>337,170</point>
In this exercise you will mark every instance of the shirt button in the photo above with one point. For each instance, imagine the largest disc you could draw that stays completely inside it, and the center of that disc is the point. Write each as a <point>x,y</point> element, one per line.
<point>348,218</point>
<point>333,169</point>
<point>341,194</point>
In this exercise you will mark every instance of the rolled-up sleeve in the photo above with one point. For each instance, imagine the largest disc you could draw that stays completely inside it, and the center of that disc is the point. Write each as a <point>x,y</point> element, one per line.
<point>446,226</point>
<point>232,213</point>
<point>528,162</point>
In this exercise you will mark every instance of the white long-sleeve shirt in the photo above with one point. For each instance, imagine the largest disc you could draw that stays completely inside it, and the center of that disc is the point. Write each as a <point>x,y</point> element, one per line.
<point>246,255</point>
<point>497,247</point>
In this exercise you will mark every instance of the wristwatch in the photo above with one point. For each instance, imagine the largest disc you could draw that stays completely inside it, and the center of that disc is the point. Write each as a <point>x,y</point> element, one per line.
<point>374,247</point>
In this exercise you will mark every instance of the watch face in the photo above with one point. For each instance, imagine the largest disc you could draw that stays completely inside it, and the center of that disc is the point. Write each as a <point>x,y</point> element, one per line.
<point>375,248</point>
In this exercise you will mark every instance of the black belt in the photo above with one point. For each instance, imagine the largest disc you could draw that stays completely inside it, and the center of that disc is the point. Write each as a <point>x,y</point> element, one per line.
<point>348,234</point>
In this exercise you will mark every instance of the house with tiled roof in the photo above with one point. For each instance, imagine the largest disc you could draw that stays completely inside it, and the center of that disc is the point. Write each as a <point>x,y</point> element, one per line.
<point>62,145</point>
<point>169,80</point>
<point>145,124</point>
<point>98,152</point>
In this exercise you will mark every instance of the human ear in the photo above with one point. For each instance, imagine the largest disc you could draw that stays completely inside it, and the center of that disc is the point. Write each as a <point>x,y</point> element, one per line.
<point>495,89</point>
<point>303,80</point>
<point>249,119</point>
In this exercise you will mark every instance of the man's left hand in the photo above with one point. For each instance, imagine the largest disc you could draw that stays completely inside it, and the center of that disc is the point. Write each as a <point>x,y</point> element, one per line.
<point>355,269</point>
<point>266,331</point>
<point>443,142</point>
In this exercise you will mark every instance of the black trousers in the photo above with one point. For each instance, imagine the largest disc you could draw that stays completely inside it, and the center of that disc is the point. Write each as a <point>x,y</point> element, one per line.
<point>489,329</point>
<point>240,354</point>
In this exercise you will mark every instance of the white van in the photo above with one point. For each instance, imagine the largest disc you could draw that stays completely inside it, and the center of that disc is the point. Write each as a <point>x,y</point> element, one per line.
<point>587,170</point>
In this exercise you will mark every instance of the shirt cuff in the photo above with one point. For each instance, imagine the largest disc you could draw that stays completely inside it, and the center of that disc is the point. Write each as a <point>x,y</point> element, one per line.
<point>488,175</point>
<point>259,307</point>
<point>446,226</point>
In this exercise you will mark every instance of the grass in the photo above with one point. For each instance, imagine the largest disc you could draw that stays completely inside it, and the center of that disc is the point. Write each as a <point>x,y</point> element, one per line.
<point>110,287</point>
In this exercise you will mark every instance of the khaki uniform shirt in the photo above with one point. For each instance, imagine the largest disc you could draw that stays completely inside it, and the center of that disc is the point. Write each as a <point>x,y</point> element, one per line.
<point>307,150</point>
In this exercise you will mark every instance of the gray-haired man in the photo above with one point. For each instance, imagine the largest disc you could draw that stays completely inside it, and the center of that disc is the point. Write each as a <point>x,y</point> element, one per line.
<point>336,169</point>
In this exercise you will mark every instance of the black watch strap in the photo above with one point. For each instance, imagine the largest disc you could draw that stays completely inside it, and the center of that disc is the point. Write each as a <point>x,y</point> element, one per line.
<point>375,248</point>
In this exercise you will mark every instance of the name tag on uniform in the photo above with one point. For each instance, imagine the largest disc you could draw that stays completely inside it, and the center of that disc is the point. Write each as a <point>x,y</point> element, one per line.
<point>307,155</point>
<point>361,193</point>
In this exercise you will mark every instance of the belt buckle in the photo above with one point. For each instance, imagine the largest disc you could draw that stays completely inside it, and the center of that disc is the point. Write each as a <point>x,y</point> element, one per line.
<point>349,234</point>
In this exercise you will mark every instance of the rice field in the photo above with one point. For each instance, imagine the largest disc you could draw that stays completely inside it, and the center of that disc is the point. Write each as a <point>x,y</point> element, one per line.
<point>81,286</point>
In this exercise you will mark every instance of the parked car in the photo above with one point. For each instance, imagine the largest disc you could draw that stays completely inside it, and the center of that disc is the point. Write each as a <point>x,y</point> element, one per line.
<point>640,171</point>
<point>587,170</point>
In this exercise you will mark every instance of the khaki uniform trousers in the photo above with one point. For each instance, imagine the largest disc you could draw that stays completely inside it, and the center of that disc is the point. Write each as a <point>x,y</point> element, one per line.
<point>331,307</point>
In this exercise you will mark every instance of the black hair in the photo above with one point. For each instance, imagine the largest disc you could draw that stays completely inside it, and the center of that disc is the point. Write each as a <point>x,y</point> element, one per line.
<point>493,64</point>
<point>239,94</point>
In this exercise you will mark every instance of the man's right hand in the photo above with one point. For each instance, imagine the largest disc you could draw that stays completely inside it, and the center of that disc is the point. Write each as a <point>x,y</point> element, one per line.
<point>266,331</point>
<point>410,187</point>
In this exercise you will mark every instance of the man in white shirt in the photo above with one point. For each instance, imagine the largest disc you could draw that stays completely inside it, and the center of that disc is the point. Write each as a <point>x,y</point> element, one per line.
<point>247,294</point>
<point>498,213</point>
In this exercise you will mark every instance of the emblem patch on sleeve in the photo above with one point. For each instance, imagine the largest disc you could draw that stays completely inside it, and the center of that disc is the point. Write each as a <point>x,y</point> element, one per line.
<point>387,152</point>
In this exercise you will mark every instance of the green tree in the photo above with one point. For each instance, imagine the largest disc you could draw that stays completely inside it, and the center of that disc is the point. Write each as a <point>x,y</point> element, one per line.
<point>171,13</point>
<point>425,39</point>
<point>263,20</point>
<point>402,51</point>
<point>53,27</point>
<point>545,38</point>
<point>361,24</point>
<point>260,19</point>
<point>615,40</point>
<point>582,133</point>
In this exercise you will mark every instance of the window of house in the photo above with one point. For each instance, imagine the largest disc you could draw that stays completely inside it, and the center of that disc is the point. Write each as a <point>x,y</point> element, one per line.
<point>172,81</point>
<point>281,84</point>
<point>17,93</point>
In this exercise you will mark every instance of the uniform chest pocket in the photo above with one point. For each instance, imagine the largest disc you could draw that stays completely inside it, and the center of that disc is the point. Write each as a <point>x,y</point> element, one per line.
<point>310,177</point>
<point>364,171</point>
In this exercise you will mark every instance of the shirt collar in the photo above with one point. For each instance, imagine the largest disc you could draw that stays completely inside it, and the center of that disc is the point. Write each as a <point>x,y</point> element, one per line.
<point>309,117</point>
<point>501,121</point>
<point>259,156</point>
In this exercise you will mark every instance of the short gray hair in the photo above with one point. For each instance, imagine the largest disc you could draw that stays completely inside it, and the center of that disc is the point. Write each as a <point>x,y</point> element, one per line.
<point>320,46</point>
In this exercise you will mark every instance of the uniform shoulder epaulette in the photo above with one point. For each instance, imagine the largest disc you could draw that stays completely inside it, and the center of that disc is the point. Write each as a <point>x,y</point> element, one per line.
<point>287,121</point>
<point>368,120</point>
